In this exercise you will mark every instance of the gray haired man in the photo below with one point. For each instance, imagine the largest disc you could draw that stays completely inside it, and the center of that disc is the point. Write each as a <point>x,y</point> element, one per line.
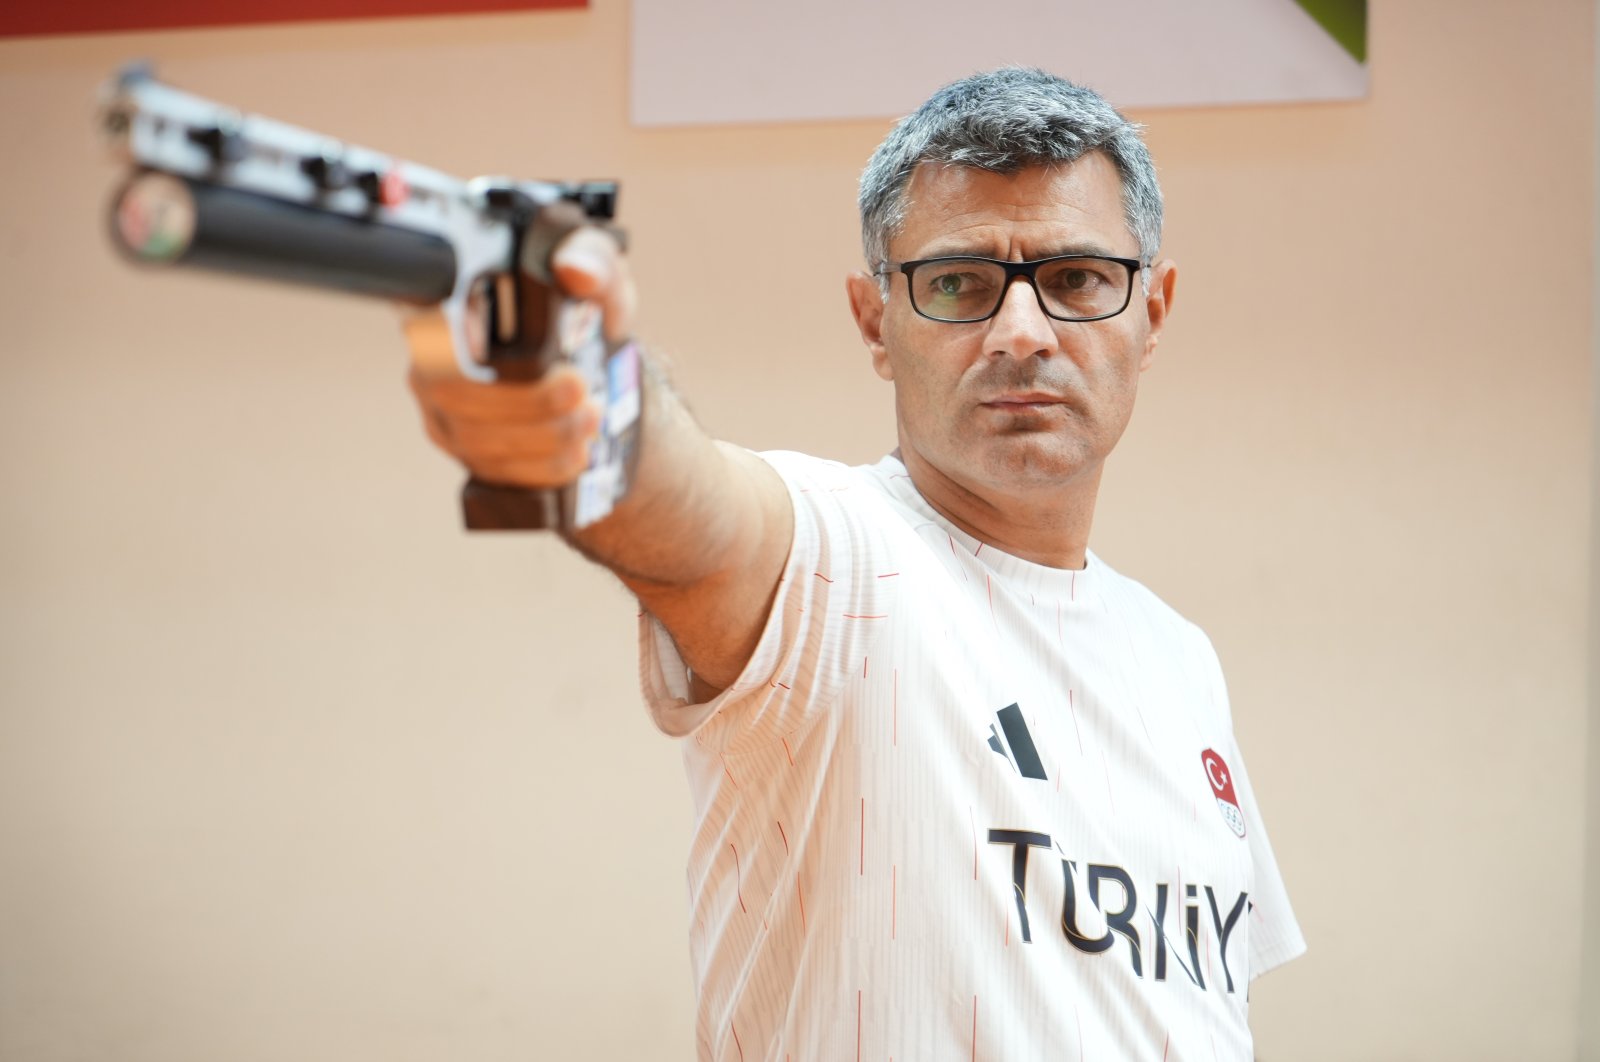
<point>961,789</point>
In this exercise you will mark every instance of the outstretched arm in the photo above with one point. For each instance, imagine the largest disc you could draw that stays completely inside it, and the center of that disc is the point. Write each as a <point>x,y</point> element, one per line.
<point>703,533</point>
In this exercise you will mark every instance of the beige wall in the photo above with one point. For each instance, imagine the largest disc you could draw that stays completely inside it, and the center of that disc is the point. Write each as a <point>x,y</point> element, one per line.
<point>1589,1020</point>
<point>290,768</point>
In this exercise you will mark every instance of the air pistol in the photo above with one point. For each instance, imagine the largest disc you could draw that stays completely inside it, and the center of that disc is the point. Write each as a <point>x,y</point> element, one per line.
<point>213,188</point>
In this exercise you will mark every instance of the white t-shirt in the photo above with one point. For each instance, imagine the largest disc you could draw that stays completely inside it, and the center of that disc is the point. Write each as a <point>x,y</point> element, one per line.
<point>963,806</point>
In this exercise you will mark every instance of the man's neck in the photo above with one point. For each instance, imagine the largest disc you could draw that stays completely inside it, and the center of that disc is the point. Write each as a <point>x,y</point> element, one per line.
<point>1046,525</point>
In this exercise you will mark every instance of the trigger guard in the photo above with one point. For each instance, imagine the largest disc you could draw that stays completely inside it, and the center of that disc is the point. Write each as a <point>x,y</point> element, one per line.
<point>455,315</point>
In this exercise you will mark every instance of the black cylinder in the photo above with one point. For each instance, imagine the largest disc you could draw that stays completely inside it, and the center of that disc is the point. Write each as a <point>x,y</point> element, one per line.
<point>162,218</point>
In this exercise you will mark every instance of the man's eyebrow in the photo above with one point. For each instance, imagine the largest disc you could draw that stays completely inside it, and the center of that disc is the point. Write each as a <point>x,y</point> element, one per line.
<point>938,250</point>
<point>943,250</point>
<point>1099,249</point>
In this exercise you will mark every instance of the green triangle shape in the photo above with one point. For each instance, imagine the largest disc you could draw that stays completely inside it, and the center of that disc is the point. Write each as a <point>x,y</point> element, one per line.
<point>1345,21</point>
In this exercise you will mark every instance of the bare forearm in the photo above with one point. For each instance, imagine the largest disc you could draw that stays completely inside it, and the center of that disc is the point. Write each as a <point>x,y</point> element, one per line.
<point>700,538</point>
<point>703,532</point>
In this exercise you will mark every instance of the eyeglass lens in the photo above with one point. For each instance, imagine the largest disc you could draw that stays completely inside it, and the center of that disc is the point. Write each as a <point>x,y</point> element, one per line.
<point>970,289</point>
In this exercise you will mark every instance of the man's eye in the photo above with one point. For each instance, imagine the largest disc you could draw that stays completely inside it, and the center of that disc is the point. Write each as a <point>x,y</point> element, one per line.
<point>950,285</point>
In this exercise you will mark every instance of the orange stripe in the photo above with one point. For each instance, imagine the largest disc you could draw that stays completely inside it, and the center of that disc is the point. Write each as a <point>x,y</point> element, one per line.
<point>863,869</point>
<point>99,16</point>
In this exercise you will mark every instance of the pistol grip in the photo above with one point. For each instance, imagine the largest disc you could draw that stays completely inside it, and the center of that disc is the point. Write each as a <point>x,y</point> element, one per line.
<point>489,506</point>
<point>545,327</point>
<point>527,353</point>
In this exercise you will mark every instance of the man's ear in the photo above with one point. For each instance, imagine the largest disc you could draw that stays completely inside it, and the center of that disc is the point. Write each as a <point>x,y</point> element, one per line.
<point>1157,305</point>
<point>866,305</point>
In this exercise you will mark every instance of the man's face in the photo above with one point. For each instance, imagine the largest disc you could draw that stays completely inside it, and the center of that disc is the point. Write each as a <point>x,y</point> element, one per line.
<point>1020,402</point>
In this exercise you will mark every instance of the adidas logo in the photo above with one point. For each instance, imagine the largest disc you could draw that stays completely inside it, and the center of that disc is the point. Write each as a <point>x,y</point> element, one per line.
<point>1013,741</point>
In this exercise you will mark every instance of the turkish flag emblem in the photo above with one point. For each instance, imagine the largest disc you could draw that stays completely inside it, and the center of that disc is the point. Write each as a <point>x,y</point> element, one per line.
<point>1221,779</point>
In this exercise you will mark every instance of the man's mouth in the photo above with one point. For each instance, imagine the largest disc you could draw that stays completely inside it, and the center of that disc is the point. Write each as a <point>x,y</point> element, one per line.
<point>1025,400</point>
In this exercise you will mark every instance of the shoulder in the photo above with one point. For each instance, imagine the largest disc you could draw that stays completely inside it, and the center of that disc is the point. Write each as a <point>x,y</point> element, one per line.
<point>809,470</point>
<point>1149,614</point>
<point>822,485</point>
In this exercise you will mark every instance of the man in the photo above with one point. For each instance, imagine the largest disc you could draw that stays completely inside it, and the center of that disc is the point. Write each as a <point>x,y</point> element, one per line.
<point>962,790</point>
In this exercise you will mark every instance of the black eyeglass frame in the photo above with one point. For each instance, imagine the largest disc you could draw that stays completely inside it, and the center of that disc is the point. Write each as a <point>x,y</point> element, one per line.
<point>1013,270</point>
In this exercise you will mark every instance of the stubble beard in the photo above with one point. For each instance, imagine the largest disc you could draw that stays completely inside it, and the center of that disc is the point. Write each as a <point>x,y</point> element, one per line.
<point>1028,449</point>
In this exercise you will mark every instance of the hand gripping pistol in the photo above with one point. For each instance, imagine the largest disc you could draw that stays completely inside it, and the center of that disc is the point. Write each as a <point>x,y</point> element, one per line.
<point>215,189</point>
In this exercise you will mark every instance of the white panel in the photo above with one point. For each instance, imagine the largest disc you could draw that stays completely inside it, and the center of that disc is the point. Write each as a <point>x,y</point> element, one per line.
<point>720,61</point>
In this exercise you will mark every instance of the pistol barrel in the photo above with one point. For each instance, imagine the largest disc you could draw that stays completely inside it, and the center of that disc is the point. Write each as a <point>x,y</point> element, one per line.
<point>168,219</point>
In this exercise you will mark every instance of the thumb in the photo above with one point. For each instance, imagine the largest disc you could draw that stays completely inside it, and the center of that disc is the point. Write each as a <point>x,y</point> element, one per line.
<point>588,264</point>
<point>585,263</point>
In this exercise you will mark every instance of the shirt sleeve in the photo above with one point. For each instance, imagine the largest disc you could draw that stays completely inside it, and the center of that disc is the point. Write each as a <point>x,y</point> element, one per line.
<point>1275,936</point>
<point>824,617</point>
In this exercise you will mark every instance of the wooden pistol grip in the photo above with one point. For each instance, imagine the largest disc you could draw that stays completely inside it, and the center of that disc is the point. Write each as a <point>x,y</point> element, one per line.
<point>527,353</point>
<point>489,506</point>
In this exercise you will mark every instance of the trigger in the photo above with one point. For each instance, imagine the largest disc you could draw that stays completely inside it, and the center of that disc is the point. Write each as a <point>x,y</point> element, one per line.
<point>503,307</point>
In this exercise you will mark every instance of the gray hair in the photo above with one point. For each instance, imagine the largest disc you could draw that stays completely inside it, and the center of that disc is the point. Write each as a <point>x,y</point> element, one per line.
<point>1005,121</point>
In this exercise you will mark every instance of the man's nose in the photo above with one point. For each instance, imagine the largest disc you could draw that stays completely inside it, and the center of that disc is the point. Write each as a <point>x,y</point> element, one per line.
<point>1020,328</point>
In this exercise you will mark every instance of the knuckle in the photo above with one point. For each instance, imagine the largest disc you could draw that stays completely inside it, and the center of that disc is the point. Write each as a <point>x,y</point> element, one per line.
<point>571,464</point>
<point>558,393</point>
<point>572,430</point>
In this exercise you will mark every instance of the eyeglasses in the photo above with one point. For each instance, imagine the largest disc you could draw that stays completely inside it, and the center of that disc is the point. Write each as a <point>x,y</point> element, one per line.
<point>1069,287</point>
